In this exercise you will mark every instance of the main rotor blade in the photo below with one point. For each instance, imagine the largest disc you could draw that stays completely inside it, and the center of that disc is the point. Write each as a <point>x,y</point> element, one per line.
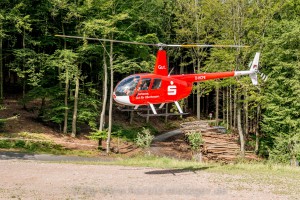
<point>105,40</point>
<point>157,45</point>
<point>204,45</point>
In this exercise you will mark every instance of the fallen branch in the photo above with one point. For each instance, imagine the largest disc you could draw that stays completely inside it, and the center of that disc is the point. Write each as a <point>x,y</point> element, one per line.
<point>10,118</point>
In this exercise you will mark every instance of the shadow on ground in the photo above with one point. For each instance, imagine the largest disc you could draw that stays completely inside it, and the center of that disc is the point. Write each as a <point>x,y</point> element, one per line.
<point>177,171</point>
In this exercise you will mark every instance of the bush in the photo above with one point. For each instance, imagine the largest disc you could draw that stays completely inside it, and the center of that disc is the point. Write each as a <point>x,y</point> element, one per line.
<point>96,134</point>
<point>144,138</point>
<point>195,140</point>
<point>286,149</point>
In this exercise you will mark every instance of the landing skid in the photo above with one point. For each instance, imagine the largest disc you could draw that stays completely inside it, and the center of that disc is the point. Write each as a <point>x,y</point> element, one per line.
<point>153,109</point>
<point>138,109</point>
<point>161,114</point>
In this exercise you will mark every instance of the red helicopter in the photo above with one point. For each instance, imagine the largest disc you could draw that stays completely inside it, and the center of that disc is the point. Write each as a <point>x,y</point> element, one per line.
<point>159,87</point>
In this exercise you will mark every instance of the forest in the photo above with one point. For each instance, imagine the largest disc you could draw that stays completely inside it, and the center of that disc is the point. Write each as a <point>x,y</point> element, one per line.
<point>73,79</point>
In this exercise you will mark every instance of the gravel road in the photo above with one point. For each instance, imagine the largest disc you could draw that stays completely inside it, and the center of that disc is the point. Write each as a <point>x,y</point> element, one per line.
<point>32,179</point>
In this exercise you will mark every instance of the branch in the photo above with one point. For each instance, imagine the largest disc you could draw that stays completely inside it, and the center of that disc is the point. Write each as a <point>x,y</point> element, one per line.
<point>10,118</point>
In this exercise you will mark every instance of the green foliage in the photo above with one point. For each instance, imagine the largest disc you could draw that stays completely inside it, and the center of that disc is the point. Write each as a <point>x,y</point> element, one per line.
<point>66,61</point>
<point>286,148</point>
<point>31,146</point>
<point>144,138</point>
<point>281,114</point>
<point>95,134</point>
<point>29,65</point>
<point>126,133</point>
<point>130,133</point>
<point>88,106</point>
<point>195,140</point>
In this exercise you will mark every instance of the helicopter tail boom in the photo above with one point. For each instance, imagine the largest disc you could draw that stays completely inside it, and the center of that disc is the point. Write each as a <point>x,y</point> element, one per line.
<point>209,76</point>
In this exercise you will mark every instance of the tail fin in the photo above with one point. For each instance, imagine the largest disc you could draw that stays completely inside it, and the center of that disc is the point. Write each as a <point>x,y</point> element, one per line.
<point>254,69</point>
<point>161,65</point>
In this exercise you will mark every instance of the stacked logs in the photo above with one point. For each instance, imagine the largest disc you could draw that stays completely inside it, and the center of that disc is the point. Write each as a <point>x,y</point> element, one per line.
<point>217,145</point>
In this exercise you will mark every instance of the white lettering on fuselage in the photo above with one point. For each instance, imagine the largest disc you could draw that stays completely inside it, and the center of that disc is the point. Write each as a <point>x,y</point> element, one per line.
<point>161,67</point>
<point>139,94</point>
<point>146,96</point>
<point>200,78</point>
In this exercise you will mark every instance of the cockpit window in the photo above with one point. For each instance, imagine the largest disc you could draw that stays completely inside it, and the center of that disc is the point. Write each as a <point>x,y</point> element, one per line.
<point>156,83</point>
<point>127,86</point>
<point>145,84</point>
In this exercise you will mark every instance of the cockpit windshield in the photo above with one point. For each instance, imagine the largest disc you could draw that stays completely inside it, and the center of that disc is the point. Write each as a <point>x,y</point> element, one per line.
<point>127,86</point>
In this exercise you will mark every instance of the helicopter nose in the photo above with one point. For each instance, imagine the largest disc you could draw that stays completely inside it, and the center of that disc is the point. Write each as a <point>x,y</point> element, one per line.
<point>124,100</point>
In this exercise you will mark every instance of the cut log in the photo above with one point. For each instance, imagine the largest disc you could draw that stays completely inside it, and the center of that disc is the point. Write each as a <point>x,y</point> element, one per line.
<point>216,146</point>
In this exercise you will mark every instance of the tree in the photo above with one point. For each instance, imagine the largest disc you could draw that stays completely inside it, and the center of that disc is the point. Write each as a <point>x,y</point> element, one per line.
<point>66,61</point>
<point>4,18</point>
<point>2,35</point>
<point>22,23</point>
<point>74,120</point>
<point>281,109</point>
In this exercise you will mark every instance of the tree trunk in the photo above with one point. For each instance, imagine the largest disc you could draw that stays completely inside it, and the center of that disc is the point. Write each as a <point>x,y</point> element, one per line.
<point>148,117</point>
<point>111,98</point>
<point>227,108</point>
<point>167,110</point>
<point>198,92</point>
<point>207,104</point>
<point>65,129</point>
<point>74,121</point>
<point>1,69</point>
<point>198,63</point>
<point>256,129</point>
<point>240,130</point>
<point>217,103</point>
<point>131,117</point>
<point>224,106</point>
<point>24,79</point>
<point>246,114</point>
<point>234,108</point>
<point>230,107</point>
<point>102,116</point>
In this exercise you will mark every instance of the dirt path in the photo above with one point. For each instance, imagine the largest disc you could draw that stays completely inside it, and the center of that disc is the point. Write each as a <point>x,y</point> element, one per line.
<point>39,180</point>
<point>163,137</point>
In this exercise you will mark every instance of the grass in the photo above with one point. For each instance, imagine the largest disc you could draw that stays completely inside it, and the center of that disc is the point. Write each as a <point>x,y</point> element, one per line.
<point>278,179</point>
<point>160,162</point>
<point>237,168</point>
<point>38,143</point>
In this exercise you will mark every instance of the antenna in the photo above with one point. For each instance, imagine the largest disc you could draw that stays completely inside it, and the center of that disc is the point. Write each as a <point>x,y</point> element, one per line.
<point>170,71</point>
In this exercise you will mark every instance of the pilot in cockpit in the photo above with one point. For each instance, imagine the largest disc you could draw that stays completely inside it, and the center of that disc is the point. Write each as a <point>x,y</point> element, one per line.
<point>131,86</point>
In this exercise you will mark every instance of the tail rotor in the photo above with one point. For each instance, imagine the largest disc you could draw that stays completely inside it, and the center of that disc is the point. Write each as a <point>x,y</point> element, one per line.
<point>254,69</point>
<point>263,76</point>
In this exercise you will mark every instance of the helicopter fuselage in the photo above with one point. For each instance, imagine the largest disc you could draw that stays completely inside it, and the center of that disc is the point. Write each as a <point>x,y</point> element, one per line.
<point>160,88</point>
<point>145,89</point>
<point>151,89</point>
